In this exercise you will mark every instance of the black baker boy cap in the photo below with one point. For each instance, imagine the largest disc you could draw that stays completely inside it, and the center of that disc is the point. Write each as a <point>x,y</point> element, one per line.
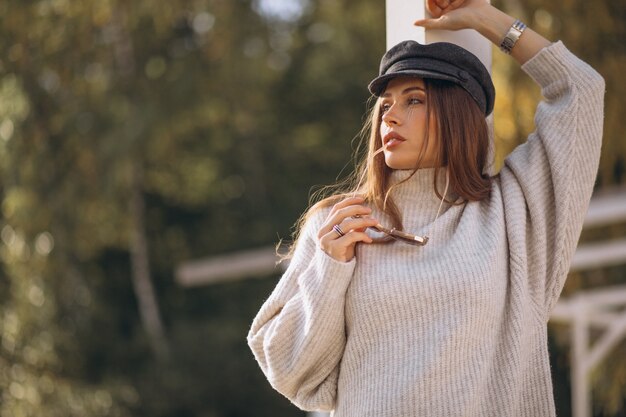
<point>439,60</point>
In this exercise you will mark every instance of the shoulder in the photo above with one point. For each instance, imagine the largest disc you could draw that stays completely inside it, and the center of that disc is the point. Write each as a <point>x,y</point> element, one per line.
<point>314,219</point>
<point>318,213</point>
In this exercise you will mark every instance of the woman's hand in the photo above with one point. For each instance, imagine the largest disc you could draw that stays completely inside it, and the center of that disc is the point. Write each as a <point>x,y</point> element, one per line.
<point>453,14</point>
<point>481,16</point>
<point>340,247</point>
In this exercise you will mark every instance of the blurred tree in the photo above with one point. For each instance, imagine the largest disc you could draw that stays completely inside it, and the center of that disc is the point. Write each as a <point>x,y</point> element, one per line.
<point>118,109</point>
<point>97,101</point>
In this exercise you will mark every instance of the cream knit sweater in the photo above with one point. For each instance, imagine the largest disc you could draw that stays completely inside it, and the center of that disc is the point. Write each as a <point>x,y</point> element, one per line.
<point>457,327</point>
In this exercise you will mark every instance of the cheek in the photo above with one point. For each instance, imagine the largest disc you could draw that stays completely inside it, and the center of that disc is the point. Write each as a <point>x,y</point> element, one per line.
<point>383,129</point>
<point>418,122</point>
<point>432,126</point>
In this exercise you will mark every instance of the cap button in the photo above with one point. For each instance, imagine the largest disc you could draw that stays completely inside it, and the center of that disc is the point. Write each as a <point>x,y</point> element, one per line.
<point>463,75</point>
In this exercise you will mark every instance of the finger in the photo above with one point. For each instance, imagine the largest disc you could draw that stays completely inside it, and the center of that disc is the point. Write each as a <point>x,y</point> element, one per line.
<point>431,5</point>
<point>340,216</point>
<point>332,243</point>
<point>434,9</point>
<point>341,245</point>
<point>431,23</point>
<point>346,202</point>
<point>454,4</point>
<point>358,224</point>
<point>327,230</point>
<point>353,237</point>
<point>352,224</point>
<point>442,4</point>
<point>350,211</point>
<point>327,238</point>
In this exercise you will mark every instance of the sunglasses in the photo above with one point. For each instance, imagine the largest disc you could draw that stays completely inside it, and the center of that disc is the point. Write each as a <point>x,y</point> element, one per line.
<point>401,236</point>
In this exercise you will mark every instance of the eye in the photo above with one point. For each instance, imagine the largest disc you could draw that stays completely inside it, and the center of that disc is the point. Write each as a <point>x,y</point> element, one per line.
<point>415,100</point>
<point>385,107</point>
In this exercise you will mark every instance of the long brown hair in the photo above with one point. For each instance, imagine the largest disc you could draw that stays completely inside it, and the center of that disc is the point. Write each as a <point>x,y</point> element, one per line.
<point>463,146</point>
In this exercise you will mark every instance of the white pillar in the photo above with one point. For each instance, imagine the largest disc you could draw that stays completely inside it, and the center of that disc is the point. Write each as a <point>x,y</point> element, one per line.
<point>400,17</point>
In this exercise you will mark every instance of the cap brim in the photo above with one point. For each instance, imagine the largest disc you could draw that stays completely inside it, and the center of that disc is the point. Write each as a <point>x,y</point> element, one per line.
<point>379,84</point>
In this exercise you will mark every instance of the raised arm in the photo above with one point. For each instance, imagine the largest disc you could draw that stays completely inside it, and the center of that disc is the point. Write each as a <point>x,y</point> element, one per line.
<point>553,173</point>
<point>490,22</point>
<point>546,182</point>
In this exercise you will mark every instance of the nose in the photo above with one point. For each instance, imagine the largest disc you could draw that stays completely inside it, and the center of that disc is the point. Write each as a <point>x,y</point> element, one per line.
<point>390,117</point>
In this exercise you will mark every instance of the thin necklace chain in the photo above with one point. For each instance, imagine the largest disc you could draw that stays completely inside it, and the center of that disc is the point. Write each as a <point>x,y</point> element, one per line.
<point>443,197</point>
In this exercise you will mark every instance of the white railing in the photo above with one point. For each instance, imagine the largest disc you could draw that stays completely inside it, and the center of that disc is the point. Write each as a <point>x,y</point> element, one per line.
<point>259,263</point>
<point>599,308</point>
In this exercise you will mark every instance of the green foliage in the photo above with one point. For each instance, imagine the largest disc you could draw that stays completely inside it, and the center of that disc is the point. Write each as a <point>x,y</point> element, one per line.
<point>232,114</point>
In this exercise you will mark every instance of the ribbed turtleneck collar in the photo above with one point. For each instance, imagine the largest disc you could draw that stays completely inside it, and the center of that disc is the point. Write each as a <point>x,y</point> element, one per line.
<point>416,197</point>
<point>419,185</point>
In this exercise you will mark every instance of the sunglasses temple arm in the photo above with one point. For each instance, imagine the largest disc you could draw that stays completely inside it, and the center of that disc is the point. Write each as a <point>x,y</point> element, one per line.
<point>401,235</point>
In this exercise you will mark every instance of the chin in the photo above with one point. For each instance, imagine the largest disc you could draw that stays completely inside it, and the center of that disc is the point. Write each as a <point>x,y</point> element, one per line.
<point>400,166</point>
<point>399,163</point>
<point>402,163</point>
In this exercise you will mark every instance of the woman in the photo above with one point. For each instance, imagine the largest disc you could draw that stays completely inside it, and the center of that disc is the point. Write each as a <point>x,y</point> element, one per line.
<point>365,324</point>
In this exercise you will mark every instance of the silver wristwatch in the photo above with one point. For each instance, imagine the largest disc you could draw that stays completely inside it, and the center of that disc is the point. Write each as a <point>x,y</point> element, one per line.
<point>514,33</point>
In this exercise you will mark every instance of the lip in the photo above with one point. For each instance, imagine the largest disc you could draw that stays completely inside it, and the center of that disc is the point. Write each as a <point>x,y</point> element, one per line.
<point>391,136</point>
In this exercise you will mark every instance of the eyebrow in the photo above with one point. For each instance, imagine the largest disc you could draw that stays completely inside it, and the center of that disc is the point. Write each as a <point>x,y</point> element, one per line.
<point>406,91</point>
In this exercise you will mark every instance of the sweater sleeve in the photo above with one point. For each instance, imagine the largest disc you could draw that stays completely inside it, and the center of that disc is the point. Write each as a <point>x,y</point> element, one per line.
<point>298,336</point>
<point>547,182</point>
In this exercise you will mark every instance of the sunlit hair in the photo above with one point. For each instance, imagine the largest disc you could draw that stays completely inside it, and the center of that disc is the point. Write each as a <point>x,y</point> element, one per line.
<point>463,146</point>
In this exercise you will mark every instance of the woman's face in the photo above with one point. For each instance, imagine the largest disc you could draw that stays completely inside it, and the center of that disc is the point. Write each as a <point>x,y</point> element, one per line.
<point>403,125</point>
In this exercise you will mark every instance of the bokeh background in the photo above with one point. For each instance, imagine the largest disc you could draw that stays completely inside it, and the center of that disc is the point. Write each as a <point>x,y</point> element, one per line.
<point>139,135</point>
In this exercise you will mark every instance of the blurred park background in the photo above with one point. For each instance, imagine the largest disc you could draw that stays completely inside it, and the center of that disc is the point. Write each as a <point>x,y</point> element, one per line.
<point>139,135</point>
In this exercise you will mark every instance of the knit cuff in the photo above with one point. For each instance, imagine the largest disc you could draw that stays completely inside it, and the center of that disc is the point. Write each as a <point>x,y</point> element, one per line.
<point>550,64</point>
<point>329,278</point>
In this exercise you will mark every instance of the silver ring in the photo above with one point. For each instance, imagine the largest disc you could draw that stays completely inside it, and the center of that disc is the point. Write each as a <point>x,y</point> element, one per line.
<point>337,229</point>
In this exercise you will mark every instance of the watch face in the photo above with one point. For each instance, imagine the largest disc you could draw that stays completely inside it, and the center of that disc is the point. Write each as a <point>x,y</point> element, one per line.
<point>514,33</point>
